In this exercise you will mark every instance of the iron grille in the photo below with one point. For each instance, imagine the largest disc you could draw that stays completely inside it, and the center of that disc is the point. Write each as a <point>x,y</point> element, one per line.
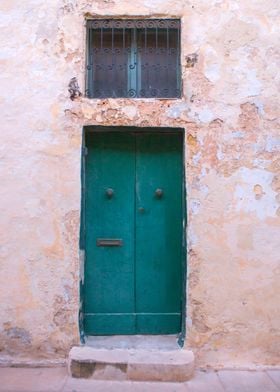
<point>133,58</point>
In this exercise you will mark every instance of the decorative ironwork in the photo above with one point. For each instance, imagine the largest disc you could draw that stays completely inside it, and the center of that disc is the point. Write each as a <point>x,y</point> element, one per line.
<point>133,58</point>
<point>133,23</point>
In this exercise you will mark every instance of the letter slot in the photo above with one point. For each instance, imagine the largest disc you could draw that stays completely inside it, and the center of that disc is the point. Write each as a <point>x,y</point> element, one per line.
<point>109,242</point>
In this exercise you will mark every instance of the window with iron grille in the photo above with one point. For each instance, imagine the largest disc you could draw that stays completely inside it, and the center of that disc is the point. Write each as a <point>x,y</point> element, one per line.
<point>133,58</point>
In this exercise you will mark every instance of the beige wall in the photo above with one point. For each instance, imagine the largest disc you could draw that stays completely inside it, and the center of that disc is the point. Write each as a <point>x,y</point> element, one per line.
<point>230,111</point>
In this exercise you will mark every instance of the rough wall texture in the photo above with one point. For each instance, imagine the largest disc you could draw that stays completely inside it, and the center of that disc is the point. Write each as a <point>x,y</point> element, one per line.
<point>230,112</point>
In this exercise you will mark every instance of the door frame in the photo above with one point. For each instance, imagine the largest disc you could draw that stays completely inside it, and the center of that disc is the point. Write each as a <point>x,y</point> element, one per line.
<point>82,255</point>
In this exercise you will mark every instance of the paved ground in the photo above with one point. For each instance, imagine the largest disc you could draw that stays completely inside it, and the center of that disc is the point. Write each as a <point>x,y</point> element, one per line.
<point>57,380</point>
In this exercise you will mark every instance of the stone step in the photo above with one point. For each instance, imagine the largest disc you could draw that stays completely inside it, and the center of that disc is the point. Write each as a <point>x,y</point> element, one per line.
<point>131,364</point>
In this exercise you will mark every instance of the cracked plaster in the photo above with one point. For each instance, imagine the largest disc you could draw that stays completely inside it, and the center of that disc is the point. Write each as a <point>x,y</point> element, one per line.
<point>230,113</point>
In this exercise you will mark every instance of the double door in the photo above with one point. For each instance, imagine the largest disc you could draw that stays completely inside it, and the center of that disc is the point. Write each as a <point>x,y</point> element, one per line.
<point>133,233</point>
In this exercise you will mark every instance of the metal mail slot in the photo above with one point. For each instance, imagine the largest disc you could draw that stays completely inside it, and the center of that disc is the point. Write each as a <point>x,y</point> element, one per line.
<point>109,242</point>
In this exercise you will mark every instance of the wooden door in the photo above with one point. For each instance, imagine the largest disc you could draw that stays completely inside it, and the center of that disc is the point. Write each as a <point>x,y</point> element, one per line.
<point>133,233</point>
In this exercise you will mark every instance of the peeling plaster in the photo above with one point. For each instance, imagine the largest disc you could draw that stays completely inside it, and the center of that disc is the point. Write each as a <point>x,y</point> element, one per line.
<point>230,113</point>
<point>205,115</point>
<point>248,185</point>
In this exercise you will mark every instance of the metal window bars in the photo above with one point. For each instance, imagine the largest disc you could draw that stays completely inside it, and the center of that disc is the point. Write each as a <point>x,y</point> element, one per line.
<point>133,58</point>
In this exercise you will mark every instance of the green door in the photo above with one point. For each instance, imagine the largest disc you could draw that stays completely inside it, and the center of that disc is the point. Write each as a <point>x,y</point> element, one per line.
<point>133,233</point>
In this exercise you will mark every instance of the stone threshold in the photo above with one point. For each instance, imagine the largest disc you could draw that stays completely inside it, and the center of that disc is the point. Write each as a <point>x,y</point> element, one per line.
<point>134,358</point>
<point>151,342</point>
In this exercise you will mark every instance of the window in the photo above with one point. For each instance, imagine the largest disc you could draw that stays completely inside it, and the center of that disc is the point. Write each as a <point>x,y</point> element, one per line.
<point>133,58</point>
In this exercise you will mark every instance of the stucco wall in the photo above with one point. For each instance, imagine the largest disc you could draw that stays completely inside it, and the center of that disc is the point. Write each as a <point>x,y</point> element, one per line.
<point>230,111</point>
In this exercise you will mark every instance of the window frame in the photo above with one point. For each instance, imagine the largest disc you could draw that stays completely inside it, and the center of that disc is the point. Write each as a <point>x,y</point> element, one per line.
<point>133,77</point>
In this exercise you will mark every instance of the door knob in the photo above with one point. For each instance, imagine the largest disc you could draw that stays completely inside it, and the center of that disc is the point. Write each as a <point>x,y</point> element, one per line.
<point>109,193</point>
<point>141,210</point>
<point>159,193</point>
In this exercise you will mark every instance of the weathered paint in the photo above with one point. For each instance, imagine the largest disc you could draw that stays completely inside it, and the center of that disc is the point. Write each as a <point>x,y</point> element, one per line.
<point>135,287</point>
<point>230,112</point>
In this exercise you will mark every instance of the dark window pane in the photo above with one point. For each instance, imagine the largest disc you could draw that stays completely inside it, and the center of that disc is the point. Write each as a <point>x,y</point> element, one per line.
<point>159,63</point>
<point>110,62</point>
<point>134,58</point>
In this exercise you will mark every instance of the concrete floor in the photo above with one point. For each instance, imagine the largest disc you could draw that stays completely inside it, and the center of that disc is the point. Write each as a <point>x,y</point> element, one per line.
<point>57,380</point>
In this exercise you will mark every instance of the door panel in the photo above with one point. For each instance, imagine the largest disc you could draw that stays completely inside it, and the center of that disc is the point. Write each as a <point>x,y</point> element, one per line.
<point>109,271</point>
<point>135,287</point>
<point>158,234</point>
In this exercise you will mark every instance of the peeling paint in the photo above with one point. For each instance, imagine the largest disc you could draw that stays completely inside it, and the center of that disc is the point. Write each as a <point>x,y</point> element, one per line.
<point>206,115</point>
<point>263,207</point>
<point>230,112</point>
